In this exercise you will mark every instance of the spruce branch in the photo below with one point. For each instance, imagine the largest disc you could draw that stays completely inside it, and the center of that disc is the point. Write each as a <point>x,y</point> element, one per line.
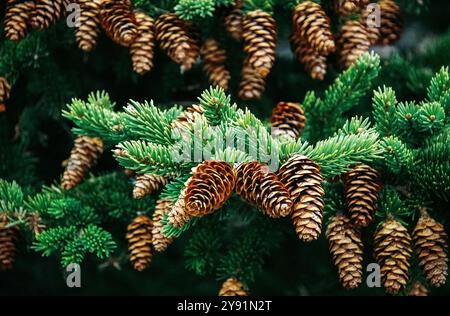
<point>11,196</point>
<point>384,105</point>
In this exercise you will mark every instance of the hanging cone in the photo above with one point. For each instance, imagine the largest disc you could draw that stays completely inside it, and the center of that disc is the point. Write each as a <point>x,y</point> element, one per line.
<point>418,289</point>
<point>362,188</point>
<point>353,42</point>
<point>188,116</point>
<point>369,22</point>
<point>17,17</point>
<point>46,13</point>
<point>233,21</point>
<point>392,246</point>
<point>178,39</point>
<point>260,40</point>
<point>211,184</point>
<point>118,21</point>
<point>314,63</point>
<point>142,47</point>
<point>83,157</point>
<point>232,287</point>
<point>87,32</point>
<point>252,85</point>
<point>346,248</point>
<point>147,184</point>
<point>139,237</point>
<point>8,247</point>
<point>430,241</point>
<point>214,58</point>
<point>288,118</point>
<point>160,242</point>
<point>302,178</point>
<point>391,23</point>
<point>262,188</point>
<point>178,216</point>
<point>312,24</point>
<point>5,89</point>
<point>348,7</point>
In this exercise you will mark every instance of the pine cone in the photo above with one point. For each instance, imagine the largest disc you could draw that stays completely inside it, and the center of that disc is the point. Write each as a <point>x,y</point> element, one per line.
<point>214,58</point>
<point>232,287</point>
<point>418,289</point>
<point>303,180</point>
<point>348,7</point>
<point>353,42</point>
<point>160,241</point>
<point>362,187</point>
<point>139,236</point>
<point>178,38</point>
<point>46,13</point>
<point>178,215</point>
<point>233,21</point>
<point>312,24</point>
<point>252,85</point>
<point>392,252</point>
<point>314,63</point>
<point>260,40</point>
<point>369,23</point>
<point>289,119</point>
<point>8,238</point>
<point>346,248</point>
<point>83,157</point>
<point>142,47</point>
<point>5,89</point>
<point>17,17</point>
<point>118,20</point>
<point>430,240</point>
<point>87,32</point>
<point>147,184</point>
<point>262,188</point>
<point>188,116</point>
<point>211,184</point>
<point>391,23</point>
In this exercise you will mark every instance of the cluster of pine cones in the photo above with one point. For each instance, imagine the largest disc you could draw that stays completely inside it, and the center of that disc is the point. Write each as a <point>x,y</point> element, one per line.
<point>312,40</point>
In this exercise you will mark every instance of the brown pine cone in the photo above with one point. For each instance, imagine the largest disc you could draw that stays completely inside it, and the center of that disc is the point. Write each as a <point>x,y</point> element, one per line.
<point>391,22</point>
<point>312,24</point>
<point>233,21</point>
<point>8,247</point>
<point>147,184</point>
<point>418,289</point>
<point>211,184</point>
<point>348,7</point>
<point>392,252</point>
<point>302,178</point>
<point>139,237</point>
<point>143,45</point>
<point>346,248</point>
<point>430,241</point>
<point>87,32</point>
<point>262,188</point>
<point>188,116</point>
<point>178,39</point>
<point>289,119</point>
<point>46,13</point>
<point>369,23</point>
<point>118,21</point>
<point>314,63</point>
<point>252,85</point>
<point>160,242</point>
<point>178,216</point>
<point>362,188</point>
<point>260,40</point>
<point>83,157</point>
<point>17,17</point>
<point>5,89</point>
<point>214,58</point>
<point>353,42</point>
<point>232,287</point>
